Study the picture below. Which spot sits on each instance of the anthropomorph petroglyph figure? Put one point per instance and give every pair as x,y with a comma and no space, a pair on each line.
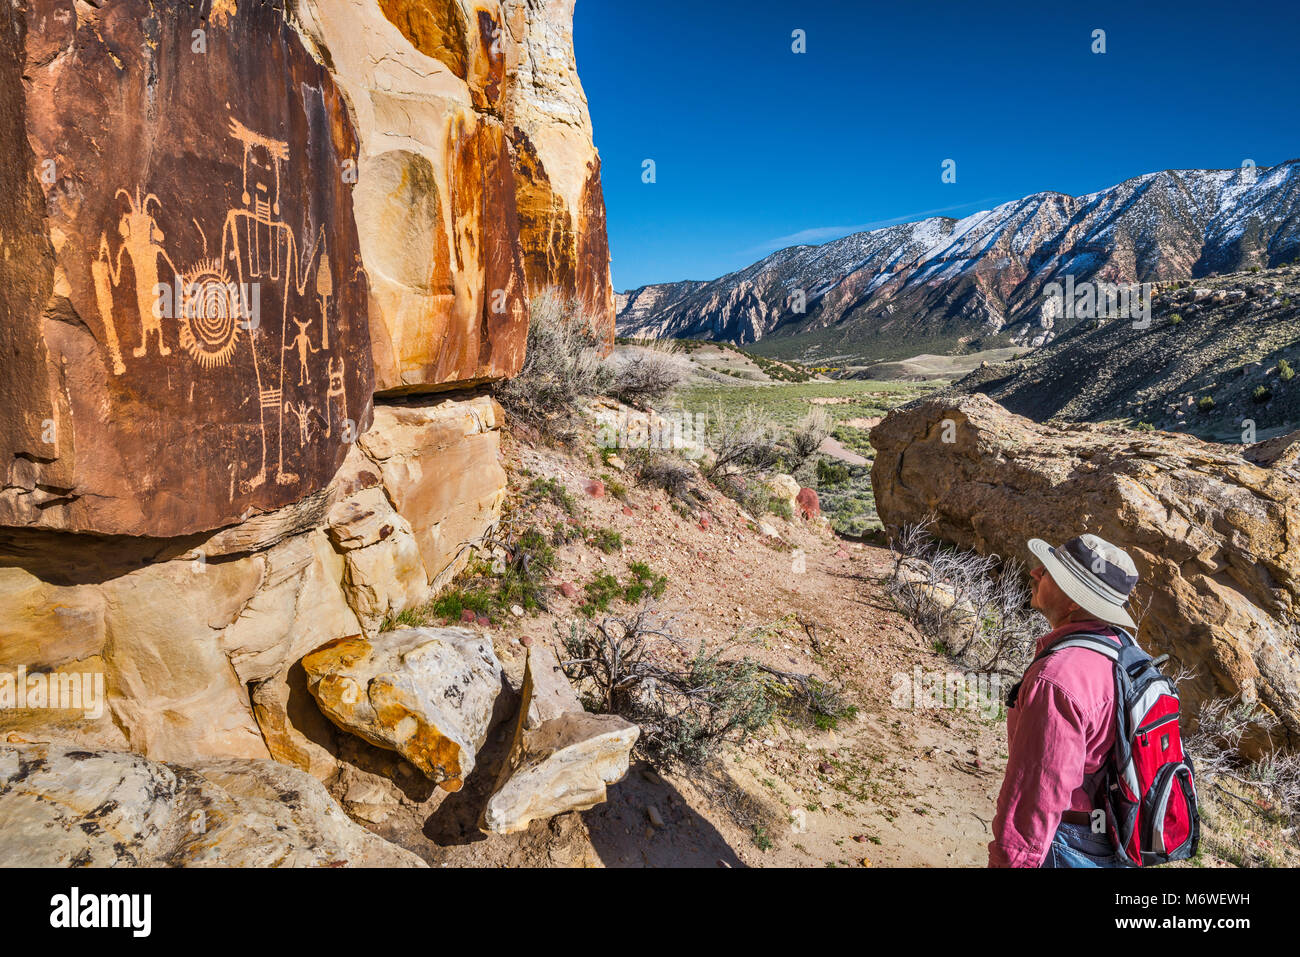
301,412
142,242
216,304
336,395
264,250
302,342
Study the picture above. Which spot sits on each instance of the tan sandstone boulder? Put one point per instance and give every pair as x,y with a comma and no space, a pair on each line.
1212,528
67,807
785,489
426,693
562,758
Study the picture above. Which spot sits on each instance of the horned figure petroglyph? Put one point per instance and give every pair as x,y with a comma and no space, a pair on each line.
302,342
142,242
258,247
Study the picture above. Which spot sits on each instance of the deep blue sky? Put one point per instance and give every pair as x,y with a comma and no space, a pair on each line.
756,145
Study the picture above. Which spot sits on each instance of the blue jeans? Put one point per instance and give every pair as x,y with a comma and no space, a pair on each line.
1074,845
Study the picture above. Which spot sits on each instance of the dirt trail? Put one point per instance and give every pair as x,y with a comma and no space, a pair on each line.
891,786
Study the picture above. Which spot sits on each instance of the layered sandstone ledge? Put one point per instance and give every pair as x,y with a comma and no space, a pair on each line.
199,640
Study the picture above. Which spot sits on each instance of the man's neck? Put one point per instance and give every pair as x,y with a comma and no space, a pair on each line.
1073,618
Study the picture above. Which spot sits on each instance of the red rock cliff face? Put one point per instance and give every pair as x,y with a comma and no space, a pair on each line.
226,227
188,311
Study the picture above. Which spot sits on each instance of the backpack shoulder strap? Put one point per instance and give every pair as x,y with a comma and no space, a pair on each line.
1097,643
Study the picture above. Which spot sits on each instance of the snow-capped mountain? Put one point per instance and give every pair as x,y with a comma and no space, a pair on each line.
979,281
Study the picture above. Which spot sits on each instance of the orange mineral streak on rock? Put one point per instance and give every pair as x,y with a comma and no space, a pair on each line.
423,745
437,28
340,653
435,193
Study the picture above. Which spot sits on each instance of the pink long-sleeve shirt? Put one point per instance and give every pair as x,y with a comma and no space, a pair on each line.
1061,729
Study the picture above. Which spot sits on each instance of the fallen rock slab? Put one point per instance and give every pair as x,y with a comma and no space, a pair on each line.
1212,528
426,693
66,807
562,758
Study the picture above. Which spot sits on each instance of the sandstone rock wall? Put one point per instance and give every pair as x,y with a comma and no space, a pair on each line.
209,164
226,226
197,641
1214,530
557,171
477,180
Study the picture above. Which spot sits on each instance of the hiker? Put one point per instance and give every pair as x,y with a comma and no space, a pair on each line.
1061,728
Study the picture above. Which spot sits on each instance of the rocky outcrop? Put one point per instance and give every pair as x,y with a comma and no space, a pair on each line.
225,227
69,807
184,634
476,182
1213,529
557,171
435,191
426,693
562,758
185,321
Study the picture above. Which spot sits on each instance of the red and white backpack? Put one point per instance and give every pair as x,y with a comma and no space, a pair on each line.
1146,787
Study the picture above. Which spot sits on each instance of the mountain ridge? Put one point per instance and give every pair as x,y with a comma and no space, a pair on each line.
945,283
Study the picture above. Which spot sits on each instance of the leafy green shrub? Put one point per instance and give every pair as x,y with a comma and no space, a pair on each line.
1206,403
607,540
601,590
644,582
831,473
1144,427
605,588
1176,318
1284,370
550,490
1261,394
780,507
450,604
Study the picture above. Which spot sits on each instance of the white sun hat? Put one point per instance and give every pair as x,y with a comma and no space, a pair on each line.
1097,576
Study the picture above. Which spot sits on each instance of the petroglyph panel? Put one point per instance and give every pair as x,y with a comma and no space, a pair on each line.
178,203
